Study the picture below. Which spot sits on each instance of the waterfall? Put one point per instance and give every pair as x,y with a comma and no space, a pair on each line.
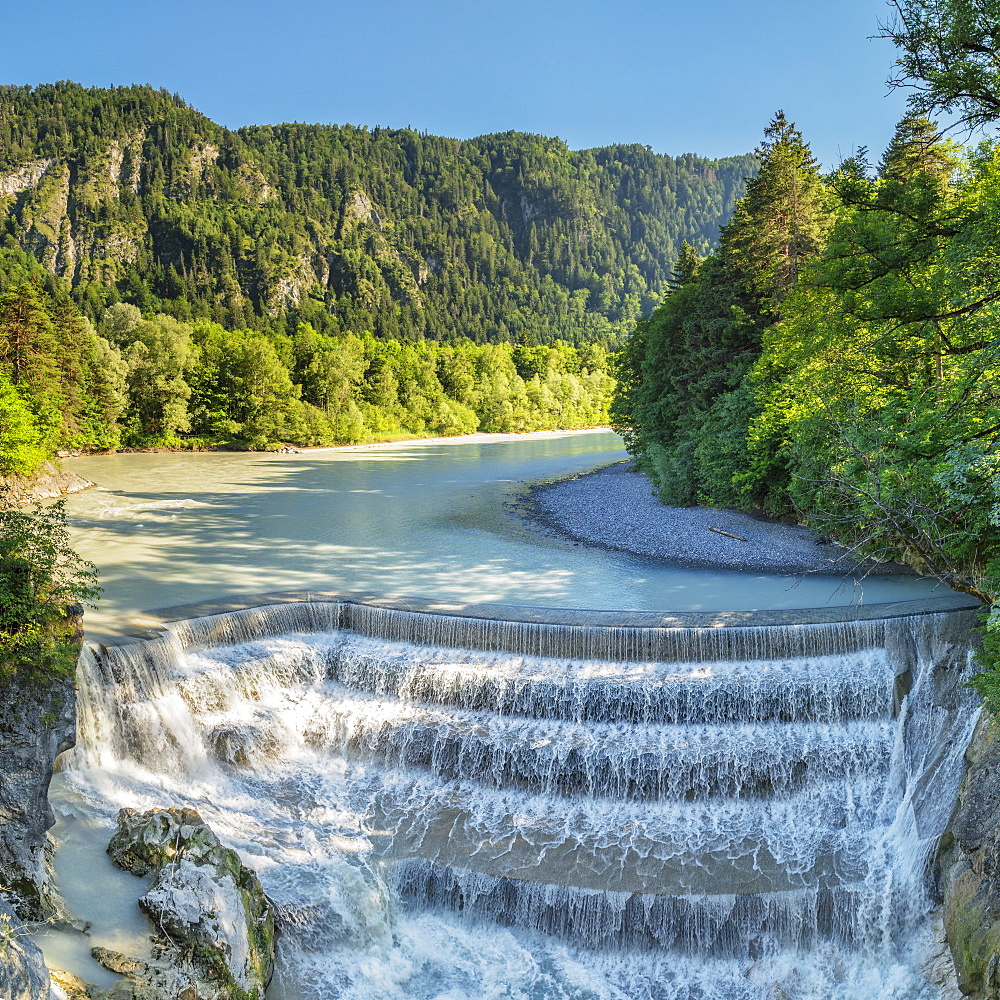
444,805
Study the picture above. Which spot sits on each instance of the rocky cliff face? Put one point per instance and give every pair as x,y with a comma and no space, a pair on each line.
969,868
388,230
37,724
23,975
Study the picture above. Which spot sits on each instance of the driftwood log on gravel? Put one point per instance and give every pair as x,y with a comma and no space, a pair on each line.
728,534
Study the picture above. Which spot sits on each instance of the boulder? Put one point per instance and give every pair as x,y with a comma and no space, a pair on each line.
242,745
67,986
23,975
216,923
156,978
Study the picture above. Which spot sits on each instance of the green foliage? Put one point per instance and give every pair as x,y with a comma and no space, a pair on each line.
41,580
134,197
987,682
683,403
854,382
21,451
61,385
240,386
778,224
163,382
880,385
949,56
157,361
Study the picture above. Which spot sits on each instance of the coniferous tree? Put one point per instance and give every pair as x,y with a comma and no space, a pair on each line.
779,222
348,229
686,266
684,403
917,147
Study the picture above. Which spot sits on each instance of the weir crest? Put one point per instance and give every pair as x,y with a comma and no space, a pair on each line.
438,800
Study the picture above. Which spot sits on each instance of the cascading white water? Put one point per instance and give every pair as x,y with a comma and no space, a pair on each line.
447,807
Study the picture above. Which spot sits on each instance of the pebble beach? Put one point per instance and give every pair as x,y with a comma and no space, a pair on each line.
615,508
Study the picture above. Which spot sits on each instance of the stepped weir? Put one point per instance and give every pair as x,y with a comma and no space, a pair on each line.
643,805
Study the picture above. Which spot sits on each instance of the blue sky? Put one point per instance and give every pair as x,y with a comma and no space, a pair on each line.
678,76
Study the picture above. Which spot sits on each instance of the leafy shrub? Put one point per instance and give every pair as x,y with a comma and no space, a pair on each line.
42,581
987,682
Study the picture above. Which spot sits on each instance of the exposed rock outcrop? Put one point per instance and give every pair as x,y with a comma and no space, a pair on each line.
37,724
48,484
217,925
23,975
969,868
25,177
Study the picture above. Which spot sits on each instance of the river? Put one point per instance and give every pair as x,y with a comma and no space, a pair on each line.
465,809
418,519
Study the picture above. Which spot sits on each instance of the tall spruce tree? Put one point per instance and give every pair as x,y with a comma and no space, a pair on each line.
917,147
779,222
684,403
685,267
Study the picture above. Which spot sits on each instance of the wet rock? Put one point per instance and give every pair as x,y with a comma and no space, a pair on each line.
937,965
49,483
38,723
217,925
23,975
66,986
155,978
969,868
241,745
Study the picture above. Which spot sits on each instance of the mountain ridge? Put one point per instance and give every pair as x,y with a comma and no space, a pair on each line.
132,195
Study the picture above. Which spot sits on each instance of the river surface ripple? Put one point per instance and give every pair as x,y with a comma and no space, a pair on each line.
417,518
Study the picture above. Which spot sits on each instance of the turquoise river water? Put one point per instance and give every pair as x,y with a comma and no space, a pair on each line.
415,519
465,809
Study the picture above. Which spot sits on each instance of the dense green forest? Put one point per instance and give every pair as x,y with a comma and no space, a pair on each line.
168,282
132,196
66,384
837,359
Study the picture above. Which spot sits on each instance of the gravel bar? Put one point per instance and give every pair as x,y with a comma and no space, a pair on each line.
615,508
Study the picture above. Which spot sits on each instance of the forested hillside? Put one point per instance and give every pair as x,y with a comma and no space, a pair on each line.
838,358
131,195
159,381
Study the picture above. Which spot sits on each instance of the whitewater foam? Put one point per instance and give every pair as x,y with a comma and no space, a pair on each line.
447,807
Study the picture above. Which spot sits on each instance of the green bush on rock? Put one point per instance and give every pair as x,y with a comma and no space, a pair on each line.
42,583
